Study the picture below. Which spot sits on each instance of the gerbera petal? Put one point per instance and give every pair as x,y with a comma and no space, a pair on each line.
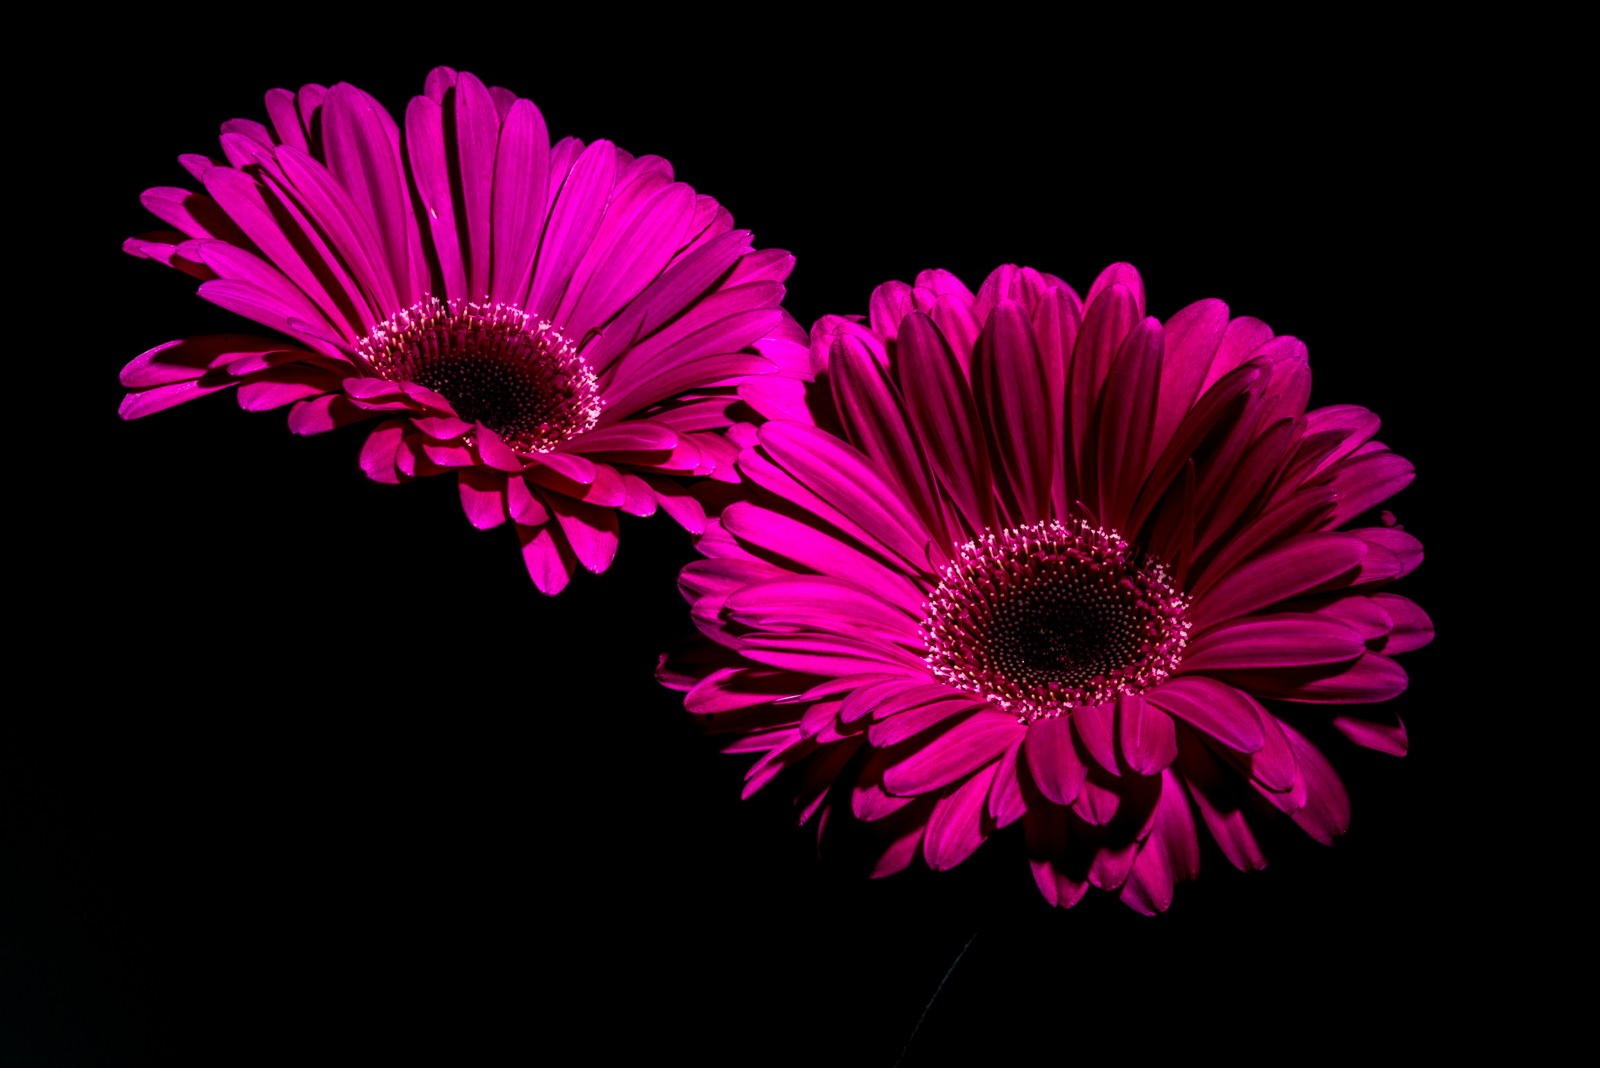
285,118
687,279
1367,481
521,171
911,722
1326,814
1298,566
1053,760
684,508
1283,639
430,167
1219,806
632,256
580,202
807,602
1383,737
888,693
730,689
1095,726
840,485
953,754
322,414
1241,339
483,497
195,215
159,398
274,389
796,541
1009,380
549,559
1007,802
871,407
362,144
1098,802
1391,553
590,530
1190,338
247,204
189,358
378,452
1410,627
1170,853
944,417
824,654
477,130
1145,734
1127,411
1111,314
647,387
1373,677
958,824
1216,708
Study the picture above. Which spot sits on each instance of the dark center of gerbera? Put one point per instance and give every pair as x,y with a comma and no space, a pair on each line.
1044,617
496,365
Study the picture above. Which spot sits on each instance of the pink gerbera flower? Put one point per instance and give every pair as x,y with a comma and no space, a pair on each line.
561,326
1072,567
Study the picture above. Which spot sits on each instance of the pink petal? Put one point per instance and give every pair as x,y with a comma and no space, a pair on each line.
521,171
1006,799
477,128
1214,707
956,753
549,559
378,452
581,195
1326,814
1053,760
430,167
1373,677
684,508
945,418
894,729
160,398
1191,338
816,551
1095,726
1298,566
362,146
1098,801
1284,639
1380,736
1367,481
483,497
591,531
1012,390
1410,626
957,825
1146,734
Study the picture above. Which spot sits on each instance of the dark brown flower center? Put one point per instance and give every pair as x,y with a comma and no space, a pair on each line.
1043,617
495,364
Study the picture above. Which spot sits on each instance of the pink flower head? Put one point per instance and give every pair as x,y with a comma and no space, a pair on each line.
561,326
1071,567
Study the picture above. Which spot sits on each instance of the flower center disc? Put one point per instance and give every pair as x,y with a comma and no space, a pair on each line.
1043,617
495,364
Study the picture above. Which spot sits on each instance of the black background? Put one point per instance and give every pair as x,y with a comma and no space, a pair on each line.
300,764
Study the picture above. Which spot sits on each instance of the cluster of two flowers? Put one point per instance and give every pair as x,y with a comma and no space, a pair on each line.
1017,555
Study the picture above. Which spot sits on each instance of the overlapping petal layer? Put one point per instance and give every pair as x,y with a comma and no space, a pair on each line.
1062,560
561,326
